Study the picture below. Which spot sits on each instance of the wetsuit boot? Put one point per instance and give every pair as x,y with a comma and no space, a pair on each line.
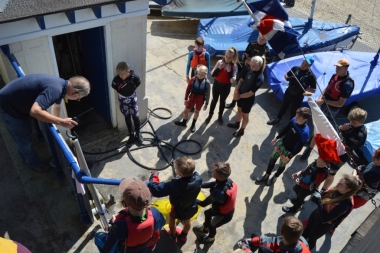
239,133
265,178
181,123
234,125
193,126
220,120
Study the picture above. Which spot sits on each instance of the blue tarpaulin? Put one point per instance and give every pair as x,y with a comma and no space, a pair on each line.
203,8
221,33
365,75
373,139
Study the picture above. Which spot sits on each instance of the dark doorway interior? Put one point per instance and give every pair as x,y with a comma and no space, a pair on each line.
83,53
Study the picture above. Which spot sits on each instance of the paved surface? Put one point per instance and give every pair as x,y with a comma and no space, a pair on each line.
42,213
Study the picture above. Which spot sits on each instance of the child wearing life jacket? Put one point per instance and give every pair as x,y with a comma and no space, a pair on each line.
197,93
371,176
289,241
307,181
289,143
224,73
182,191
199,56
126,83
335,205
223,192
135,227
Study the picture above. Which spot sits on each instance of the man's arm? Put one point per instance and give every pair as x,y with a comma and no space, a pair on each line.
56,110
42,115
338,103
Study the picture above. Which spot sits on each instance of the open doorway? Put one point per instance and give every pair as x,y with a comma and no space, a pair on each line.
83,53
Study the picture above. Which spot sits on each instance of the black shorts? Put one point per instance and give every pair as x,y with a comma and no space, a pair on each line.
246,104
334,167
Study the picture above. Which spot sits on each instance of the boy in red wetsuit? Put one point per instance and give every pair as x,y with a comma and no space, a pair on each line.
289,241
307,181
197,93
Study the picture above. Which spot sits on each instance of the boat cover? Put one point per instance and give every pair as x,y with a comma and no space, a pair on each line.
365,74
203,8
221,33
373,140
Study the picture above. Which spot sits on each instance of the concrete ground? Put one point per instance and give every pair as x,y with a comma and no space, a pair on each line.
41,212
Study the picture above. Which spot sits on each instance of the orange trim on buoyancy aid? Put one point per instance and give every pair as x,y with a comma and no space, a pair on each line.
334,87
305,248
231,200
198,59
139,233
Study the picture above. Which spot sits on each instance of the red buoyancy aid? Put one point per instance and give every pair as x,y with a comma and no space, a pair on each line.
329,207
305,248
231,200
223,77
198,59
335,86
139,233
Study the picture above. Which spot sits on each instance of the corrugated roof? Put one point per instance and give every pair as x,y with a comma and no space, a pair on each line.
22,9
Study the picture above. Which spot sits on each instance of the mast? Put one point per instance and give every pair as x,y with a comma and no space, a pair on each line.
312,10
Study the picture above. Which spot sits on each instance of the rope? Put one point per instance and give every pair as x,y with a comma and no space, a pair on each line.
154,141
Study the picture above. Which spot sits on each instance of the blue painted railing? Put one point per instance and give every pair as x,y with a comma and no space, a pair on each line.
54,136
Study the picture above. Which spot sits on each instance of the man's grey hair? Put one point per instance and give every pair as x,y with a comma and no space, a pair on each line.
81,85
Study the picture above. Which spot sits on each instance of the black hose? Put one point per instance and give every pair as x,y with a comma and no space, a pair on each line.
154,142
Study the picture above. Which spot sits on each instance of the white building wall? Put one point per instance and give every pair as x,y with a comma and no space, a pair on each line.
125,41
128,42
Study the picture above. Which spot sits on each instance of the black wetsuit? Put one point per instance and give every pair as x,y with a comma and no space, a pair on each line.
293,96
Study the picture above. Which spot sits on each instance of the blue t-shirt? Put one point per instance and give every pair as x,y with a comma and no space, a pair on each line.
18,96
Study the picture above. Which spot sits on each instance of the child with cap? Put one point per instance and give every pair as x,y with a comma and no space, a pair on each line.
289,143
301,79
126,83
136,216
289,241
223,192
307,181
197,93
182,191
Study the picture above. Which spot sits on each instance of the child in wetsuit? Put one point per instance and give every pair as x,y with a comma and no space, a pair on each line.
223,192
126,83
289,241
307,181
197,93
289,143
182,191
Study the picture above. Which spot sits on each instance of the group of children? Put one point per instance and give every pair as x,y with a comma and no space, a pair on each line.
136,228
333,204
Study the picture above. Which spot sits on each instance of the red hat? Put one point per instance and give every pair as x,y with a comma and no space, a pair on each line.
136,194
